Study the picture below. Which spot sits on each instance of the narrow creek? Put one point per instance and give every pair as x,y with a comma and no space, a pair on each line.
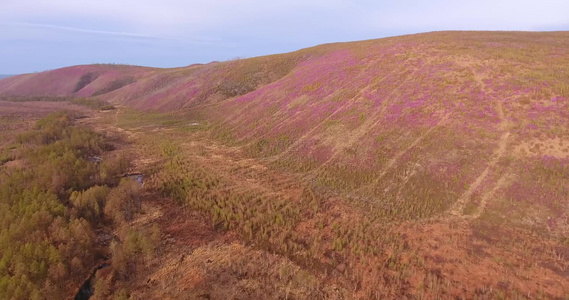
138,177
87,289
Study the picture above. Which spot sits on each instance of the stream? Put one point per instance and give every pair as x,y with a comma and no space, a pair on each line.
138,177
87,289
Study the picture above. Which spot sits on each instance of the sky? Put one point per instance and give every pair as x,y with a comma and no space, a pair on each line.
39,35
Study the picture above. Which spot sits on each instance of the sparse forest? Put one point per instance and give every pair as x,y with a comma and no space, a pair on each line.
54,198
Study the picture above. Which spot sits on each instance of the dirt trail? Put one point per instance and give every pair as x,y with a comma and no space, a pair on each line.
309,133
239,174
399,154
458,207
499,184
354,137
361,131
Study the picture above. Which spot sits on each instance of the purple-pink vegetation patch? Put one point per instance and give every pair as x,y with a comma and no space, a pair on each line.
542,181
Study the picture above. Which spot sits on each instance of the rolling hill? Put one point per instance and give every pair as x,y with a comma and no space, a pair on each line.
80,81
448,108
431,133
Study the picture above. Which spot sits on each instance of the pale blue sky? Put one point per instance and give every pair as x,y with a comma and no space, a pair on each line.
37,35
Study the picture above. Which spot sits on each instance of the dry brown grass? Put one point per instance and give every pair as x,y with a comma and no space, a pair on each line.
439,258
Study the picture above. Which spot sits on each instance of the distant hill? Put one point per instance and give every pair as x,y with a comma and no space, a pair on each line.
5,76
81,81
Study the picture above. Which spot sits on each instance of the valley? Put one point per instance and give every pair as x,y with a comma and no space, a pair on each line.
422,166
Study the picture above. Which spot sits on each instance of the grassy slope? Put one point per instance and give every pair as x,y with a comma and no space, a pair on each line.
437,119
464,129
428,118
81,81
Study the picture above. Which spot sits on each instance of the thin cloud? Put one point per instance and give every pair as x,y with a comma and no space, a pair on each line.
88,31
190,39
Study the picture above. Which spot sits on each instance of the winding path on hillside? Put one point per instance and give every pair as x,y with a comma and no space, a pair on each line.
459,205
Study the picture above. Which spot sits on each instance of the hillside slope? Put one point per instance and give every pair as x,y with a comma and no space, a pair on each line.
444,110
79,81
439,122
458,136
437,119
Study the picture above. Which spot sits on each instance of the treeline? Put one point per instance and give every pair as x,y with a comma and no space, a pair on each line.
34,98
52,205
91,103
